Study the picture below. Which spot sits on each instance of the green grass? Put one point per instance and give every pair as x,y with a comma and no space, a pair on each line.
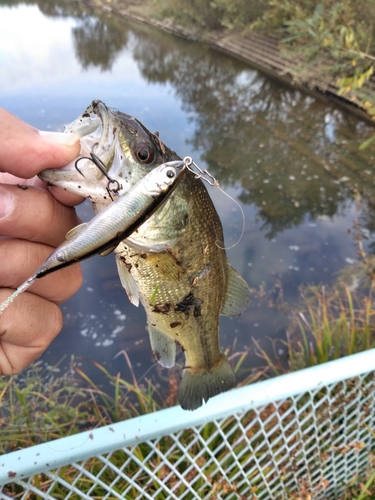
332,323
42,404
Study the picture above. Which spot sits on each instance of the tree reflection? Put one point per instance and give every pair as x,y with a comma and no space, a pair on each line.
97,42
98,39
293,156
56,8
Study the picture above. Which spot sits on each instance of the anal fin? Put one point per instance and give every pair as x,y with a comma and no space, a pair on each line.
163,347
237,295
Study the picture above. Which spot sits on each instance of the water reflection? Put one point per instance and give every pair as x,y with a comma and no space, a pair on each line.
97,43
291,159
271,138
59,8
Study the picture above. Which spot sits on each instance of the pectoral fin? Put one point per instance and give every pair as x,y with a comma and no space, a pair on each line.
237,295
127,281
75,230
107,251
163,347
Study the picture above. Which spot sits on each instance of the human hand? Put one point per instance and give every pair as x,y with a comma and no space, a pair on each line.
32,223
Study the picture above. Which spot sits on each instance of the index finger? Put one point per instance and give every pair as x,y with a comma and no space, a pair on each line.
26,151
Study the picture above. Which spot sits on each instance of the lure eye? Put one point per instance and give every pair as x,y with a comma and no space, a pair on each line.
144,153
170,173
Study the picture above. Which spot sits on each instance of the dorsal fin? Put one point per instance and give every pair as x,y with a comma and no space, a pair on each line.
237,295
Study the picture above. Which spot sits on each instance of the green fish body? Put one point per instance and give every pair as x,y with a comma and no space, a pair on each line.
174,263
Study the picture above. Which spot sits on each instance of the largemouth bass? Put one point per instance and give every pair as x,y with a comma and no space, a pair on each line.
115,222
172,263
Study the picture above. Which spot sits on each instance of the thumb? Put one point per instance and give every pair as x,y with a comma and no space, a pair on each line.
26,151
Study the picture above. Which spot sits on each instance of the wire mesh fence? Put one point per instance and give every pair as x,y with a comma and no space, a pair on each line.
307,434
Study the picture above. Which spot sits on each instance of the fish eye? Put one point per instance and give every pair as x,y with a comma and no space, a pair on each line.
170,173
145,153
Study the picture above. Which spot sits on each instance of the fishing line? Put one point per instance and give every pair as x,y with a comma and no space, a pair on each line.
146,372
210,179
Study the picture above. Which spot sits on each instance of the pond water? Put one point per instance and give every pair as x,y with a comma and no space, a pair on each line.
291,159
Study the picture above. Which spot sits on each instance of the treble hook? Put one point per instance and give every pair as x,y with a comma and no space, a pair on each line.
76,164
100,165
98,162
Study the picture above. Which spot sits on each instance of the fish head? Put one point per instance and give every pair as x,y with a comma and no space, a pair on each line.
126,149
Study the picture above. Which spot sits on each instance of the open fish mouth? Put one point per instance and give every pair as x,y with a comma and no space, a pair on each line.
117,151
98,134
86,180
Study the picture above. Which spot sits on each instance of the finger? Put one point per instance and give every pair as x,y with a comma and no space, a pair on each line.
26,152
20,259
6,178
34,214
60,194
26,335
65,197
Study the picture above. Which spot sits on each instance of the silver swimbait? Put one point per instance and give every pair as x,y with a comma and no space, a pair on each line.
113,224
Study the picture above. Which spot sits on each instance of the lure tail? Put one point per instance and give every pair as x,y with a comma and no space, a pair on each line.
15,294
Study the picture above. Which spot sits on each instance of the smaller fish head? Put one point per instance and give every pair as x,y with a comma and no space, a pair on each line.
164,177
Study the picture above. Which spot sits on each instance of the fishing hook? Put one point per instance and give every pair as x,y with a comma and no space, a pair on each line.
100,165
98,162
76,164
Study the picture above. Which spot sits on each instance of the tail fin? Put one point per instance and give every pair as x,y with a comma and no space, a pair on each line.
197,386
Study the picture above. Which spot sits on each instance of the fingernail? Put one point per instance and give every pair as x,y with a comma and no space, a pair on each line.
67,139
6,204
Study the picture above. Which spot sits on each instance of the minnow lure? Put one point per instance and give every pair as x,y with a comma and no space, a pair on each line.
113,224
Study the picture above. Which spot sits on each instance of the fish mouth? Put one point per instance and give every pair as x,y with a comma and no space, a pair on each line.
93,127
98,134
